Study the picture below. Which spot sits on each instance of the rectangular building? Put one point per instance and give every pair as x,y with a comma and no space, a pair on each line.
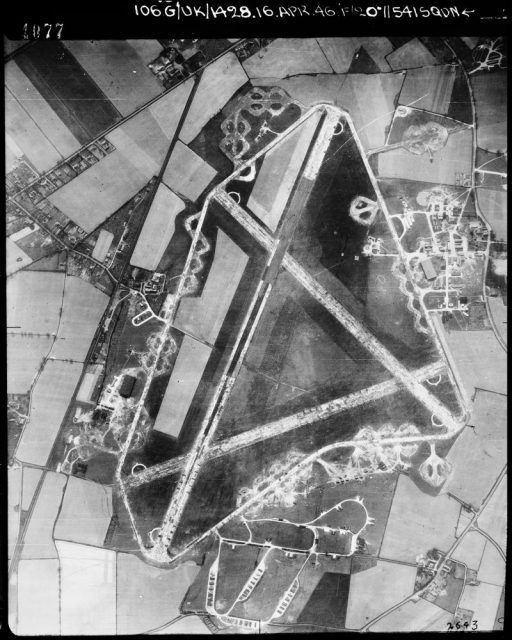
157,230
102,246
428,269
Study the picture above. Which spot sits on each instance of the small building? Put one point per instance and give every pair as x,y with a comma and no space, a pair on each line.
103,244
126,389
428,269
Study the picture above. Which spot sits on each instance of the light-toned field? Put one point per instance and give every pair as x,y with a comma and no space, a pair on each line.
167,110
418,522
493,204
103,244
119,71
218,83
470,550
370,101
455,157
490,93
412,54
38,541
132,140
340,51
85,513
34,299
14,485
38,598
187,173
481,446
157,230
28,137
481,360
429,88
97,193
203,317
31,477
279,172
16,258
377,589
39,110
494,519
492,568
308,90
415,616
147,597
50,399
483,600
147,50
287,57
82,310
499,313
186,375
87,589
25,354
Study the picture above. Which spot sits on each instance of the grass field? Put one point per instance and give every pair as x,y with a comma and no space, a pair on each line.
440,77
14,507
483,600
418,522
38,542
25,355
85,513
88,589
493,519
481,445
327,605
219,81
203,317
282,534
118,70
16,258
409,55
157,230
32,142
68,89
148,596
374,591
364,96
31,477
493,204
50,400
470,550
94,195
279,574
287,57
186,375
415,616
452,159
186,173
340,51
492,569
279,172
33,302
38,598
480,359
82,310
235,568
490,93
39,110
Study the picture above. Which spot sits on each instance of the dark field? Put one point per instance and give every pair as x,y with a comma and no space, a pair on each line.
157,448
300,356
149,503
460,103
68,89
334,542
328,603
281,534
235,568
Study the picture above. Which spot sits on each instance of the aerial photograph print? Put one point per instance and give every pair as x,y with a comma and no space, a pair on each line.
256,325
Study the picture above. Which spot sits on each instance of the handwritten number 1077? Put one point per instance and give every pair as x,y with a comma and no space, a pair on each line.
36,31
